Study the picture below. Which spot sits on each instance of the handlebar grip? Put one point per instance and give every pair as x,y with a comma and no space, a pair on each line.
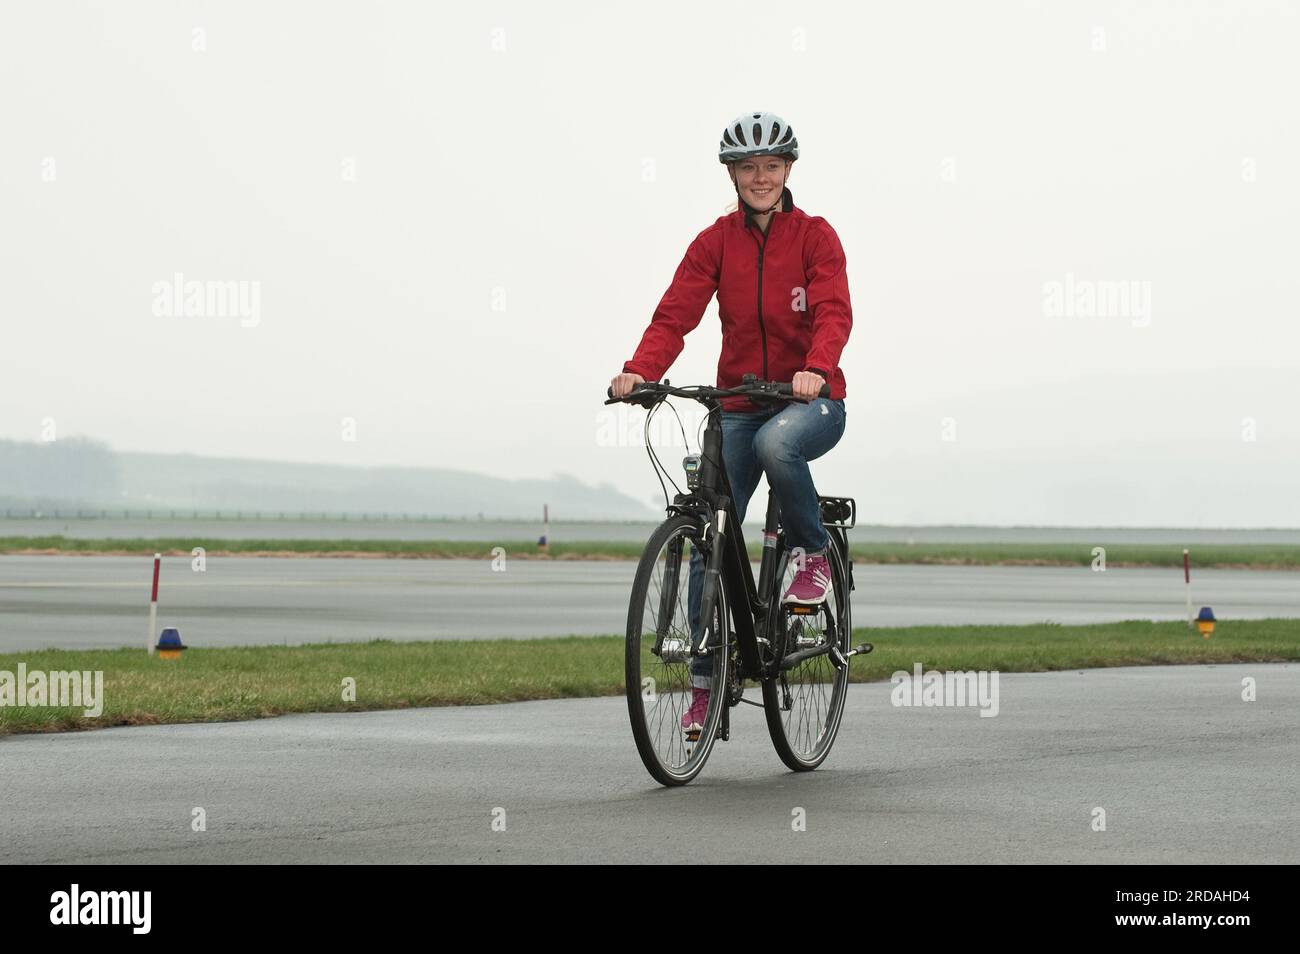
642,400
789,389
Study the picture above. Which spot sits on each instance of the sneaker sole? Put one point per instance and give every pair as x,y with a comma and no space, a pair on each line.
798,602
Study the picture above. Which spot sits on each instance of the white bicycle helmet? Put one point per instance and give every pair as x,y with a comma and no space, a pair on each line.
757,134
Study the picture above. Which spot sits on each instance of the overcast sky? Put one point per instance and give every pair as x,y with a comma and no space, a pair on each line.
455,222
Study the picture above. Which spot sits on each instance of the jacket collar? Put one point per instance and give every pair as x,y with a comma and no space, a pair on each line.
787,205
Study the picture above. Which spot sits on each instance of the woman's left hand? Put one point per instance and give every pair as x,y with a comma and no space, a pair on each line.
807,385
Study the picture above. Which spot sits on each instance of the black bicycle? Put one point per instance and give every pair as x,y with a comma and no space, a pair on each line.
697,619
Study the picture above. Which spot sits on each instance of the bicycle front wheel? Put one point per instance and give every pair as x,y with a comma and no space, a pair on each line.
664,684
805,700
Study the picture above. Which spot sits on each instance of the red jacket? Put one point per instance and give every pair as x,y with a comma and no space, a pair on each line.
783,301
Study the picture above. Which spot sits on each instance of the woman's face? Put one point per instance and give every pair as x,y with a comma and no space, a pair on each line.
760,180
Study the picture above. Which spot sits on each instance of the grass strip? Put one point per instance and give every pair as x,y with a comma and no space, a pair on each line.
237,683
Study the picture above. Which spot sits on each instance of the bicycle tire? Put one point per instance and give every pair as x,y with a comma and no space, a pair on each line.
657,687
794,714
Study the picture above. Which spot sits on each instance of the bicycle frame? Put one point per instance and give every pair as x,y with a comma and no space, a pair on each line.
729,563
709,499
754,635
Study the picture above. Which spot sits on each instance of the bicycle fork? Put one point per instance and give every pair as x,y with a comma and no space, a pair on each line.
667,604
712,580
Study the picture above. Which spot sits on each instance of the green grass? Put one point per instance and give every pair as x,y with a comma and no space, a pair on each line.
1254,556
211,685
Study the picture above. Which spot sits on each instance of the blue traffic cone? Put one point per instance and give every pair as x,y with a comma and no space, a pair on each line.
169,643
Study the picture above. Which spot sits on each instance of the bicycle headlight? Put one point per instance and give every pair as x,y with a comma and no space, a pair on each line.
691,464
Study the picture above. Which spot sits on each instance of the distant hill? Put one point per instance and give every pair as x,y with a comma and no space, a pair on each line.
79,472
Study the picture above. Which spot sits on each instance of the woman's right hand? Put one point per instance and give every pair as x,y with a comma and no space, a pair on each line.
623,384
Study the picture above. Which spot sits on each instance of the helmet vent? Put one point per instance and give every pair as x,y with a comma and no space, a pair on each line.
751,135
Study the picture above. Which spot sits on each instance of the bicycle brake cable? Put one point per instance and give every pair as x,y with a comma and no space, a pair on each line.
681,427
655,462
666,471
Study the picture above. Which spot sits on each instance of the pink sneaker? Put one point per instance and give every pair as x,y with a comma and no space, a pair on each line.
693,719
811,583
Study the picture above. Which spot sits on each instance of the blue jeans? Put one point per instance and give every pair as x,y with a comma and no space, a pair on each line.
778,441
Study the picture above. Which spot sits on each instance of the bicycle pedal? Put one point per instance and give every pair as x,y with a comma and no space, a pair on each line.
802,609
693,736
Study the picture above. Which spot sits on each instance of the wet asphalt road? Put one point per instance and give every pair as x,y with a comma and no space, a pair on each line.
1184,769
87,602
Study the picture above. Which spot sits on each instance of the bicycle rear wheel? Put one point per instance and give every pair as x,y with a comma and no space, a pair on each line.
658,666
805,702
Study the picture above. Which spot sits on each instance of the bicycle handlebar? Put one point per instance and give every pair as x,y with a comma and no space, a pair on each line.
753,387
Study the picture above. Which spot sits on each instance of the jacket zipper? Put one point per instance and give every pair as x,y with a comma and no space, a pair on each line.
762,328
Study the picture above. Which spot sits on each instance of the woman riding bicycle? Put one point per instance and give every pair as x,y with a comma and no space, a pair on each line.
783,300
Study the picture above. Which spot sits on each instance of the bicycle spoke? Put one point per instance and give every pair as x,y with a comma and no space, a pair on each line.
815,686
664,691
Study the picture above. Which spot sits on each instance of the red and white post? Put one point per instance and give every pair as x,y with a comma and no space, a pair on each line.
153,604
1187,583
